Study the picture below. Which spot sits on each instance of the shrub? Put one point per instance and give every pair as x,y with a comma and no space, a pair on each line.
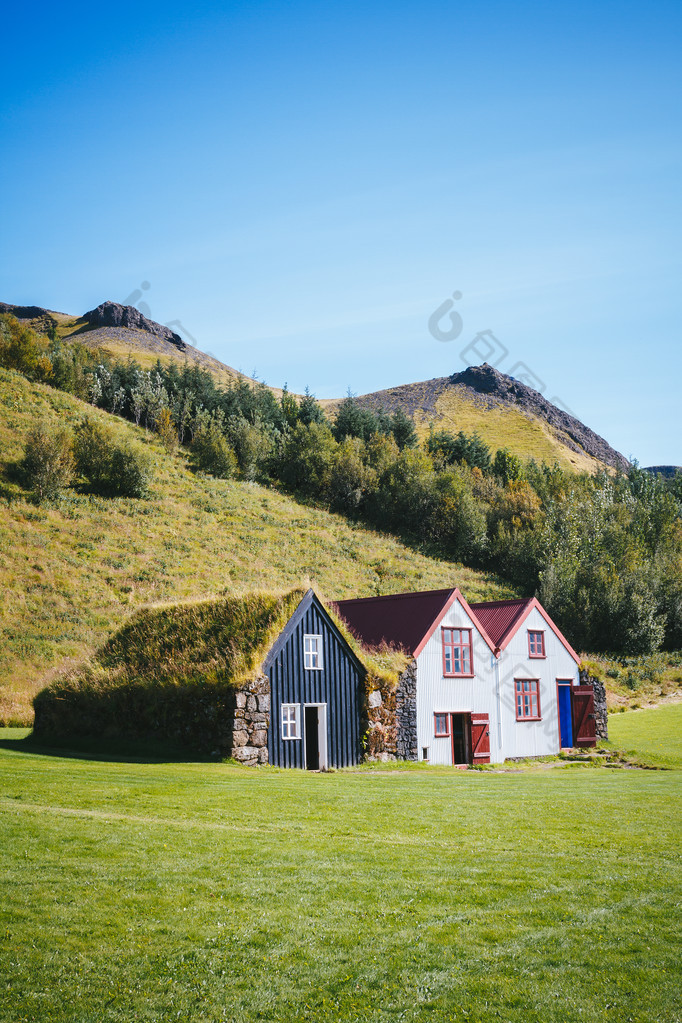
111,469
48,460
23,350
130,472
92,448
211,453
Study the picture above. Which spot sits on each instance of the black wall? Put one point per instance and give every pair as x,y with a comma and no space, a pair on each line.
338,684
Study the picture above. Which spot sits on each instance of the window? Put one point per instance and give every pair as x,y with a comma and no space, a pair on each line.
312,653
291,721
527,699
457,657
441,724
536,643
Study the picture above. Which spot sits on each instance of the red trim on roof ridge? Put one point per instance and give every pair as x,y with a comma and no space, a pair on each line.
390,596
501,603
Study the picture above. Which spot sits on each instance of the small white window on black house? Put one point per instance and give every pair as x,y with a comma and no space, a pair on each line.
312,653
291,721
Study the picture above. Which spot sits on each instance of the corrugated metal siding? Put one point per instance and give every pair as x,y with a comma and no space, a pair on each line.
534,738
338,685
438,694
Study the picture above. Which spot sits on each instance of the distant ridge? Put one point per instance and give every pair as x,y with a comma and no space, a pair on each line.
502,410
664,470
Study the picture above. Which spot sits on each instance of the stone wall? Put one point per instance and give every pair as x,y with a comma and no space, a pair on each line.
381,723
251,722
406,713
392,717
600,712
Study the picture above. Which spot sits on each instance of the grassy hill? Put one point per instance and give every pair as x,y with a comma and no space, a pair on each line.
72,572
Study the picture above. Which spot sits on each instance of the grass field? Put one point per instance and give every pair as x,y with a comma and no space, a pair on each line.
71,573
654,734
205,892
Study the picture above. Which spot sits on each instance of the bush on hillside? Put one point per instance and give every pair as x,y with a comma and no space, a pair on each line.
111,469
48,462
211,453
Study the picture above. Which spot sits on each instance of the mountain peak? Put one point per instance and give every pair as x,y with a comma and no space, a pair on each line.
113,314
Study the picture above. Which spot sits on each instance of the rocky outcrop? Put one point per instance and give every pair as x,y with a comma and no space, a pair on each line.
487,380
113,314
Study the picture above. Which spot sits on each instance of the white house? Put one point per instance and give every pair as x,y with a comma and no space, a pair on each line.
493,680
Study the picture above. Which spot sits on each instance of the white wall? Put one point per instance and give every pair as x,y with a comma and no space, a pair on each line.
533,738
437,694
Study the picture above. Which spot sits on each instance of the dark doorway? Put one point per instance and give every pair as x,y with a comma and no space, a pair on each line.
312,741
461,738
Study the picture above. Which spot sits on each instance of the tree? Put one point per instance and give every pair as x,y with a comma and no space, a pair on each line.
48,460
309,411
167,430
353,421
403,430
289,407
472,450
507,467
350,476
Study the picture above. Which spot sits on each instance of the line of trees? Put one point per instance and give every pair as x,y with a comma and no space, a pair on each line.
603,552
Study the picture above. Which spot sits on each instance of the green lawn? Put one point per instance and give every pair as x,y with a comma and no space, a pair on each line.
205,892
653,735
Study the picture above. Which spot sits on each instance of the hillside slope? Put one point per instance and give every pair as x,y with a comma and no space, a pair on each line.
72,572
504,411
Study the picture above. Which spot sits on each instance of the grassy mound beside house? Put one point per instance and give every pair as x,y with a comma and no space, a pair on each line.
169,674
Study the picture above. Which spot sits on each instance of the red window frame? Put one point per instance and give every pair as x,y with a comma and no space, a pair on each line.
436,733
527,699
453,645
533,643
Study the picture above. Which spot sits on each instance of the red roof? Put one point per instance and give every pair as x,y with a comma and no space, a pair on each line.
399,620
402,620
408,620
499,616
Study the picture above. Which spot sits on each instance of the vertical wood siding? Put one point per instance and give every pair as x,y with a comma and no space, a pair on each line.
338,685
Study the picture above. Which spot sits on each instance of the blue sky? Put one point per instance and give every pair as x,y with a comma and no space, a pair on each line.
302,185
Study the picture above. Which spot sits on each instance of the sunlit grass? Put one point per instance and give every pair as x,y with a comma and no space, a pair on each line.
653,735
206,892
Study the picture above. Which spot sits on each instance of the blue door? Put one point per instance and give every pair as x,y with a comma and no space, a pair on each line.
565,715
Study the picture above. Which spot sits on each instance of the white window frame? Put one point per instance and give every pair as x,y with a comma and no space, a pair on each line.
290,720
308,655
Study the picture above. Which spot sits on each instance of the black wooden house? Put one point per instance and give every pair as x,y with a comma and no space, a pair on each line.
316,693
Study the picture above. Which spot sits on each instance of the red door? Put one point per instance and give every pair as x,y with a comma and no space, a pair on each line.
584,723
480,739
